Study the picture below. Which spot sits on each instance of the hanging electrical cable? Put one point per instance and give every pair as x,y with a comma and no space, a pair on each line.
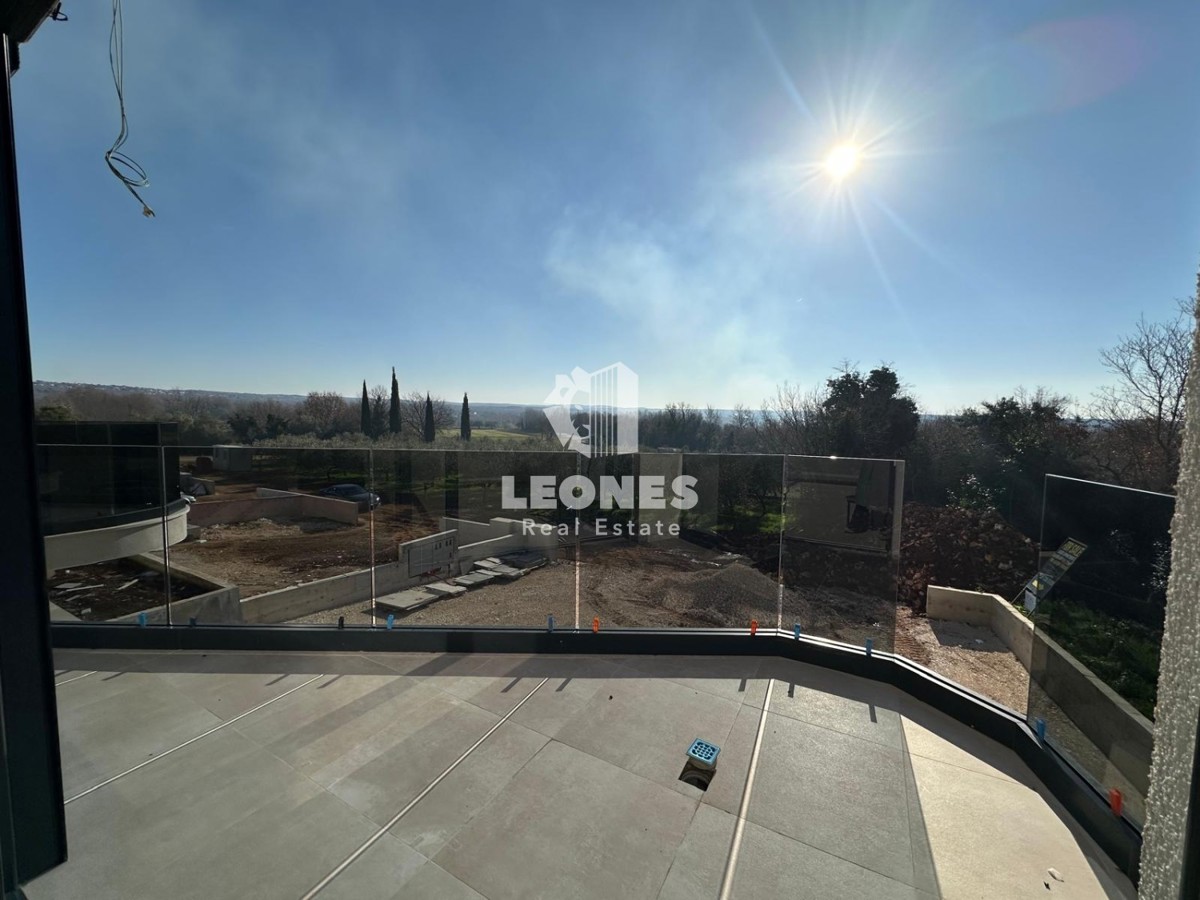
128,171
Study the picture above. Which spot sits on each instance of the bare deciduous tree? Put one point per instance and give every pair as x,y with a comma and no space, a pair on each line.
412,414
327,413
794,421
1142,414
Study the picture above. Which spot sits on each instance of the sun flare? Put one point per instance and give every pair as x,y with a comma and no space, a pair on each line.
842,161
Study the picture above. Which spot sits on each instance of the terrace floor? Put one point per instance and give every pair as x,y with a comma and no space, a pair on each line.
417,775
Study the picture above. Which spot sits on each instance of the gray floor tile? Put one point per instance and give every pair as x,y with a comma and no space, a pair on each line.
569,825
383,871
855,706
768,865
646,726
391,870
319,707
834,792
280,850
432,882
733,762
317,731
731,677
119,729
458,798
381,785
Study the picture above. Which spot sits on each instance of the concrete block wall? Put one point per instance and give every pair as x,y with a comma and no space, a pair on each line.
315,596
268,503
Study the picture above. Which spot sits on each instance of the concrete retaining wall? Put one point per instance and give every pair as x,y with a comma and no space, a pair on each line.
986,610
268,504
1123,734
219,605
472,553
471,532
355,587
315,596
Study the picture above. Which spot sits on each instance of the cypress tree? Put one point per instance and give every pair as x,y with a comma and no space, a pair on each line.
366,411
429,431
464,425
394,409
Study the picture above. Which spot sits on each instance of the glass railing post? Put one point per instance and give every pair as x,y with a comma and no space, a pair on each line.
162,470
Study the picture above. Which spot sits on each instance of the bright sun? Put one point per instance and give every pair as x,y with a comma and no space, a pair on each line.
842,161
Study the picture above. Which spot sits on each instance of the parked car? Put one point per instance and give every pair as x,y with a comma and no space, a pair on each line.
355,493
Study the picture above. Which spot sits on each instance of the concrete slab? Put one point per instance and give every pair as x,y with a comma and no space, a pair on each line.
407,601
444,589
506,573
474,579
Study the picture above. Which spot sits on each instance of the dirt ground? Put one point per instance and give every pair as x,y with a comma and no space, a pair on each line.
971,655
106,591
673,585
269,554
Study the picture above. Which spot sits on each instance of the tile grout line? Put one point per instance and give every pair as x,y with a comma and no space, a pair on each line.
186,743
76,678
373,839
739,829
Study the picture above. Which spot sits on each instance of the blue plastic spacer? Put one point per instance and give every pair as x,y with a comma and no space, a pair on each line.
870,645
1039,726
549,623
796,630
391,620
141,620
192,622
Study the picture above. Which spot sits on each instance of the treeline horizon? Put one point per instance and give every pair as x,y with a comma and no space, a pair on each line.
993,453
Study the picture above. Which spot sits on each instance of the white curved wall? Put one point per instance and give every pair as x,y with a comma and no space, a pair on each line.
82,548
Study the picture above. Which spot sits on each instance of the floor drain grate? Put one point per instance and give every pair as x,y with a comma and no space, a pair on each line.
700,765
703,754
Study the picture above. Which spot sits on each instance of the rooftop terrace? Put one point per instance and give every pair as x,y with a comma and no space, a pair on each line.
191,774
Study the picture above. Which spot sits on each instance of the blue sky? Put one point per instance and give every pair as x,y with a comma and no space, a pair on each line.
486,194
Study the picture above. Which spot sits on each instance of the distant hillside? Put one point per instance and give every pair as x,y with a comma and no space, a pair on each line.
48,389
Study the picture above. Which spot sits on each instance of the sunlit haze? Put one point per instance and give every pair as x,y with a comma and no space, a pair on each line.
842,161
